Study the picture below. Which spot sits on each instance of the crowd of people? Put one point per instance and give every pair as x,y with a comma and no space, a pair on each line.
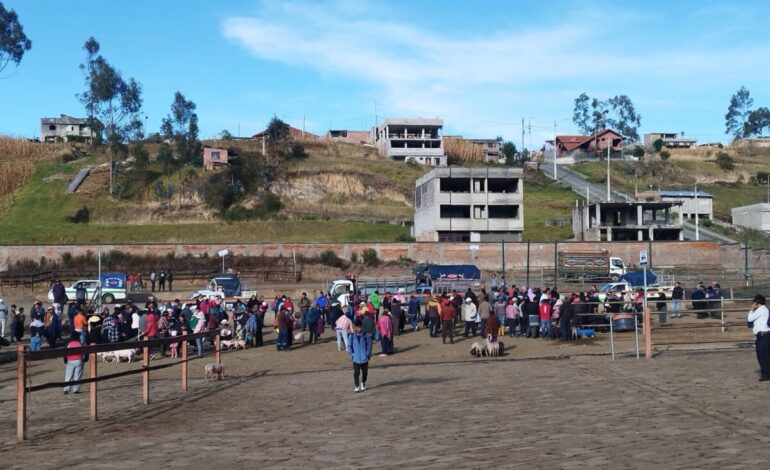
356,321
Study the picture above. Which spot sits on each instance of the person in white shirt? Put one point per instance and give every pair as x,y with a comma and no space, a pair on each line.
758,318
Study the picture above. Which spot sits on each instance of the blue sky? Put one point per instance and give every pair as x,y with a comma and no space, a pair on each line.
481,65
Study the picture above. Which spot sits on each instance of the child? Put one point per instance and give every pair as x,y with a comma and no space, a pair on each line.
174,347
360,350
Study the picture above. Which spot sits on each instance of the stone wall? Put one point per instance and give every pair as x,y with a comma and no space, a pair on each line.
485,255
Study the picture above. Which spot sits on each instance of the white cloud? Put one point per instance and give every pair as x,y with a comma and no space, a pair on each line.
487,77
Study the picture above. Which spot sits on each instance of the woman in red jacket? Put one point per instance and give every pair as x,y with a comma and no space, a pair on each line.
545,319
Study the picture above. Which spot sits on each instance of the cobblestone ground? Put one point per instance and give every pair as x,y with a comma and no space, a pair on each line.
427,406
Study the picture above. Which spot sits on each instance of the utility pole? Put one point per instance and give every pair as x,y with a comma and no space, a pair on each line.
529,129
609,197
555,177
522,133
303,127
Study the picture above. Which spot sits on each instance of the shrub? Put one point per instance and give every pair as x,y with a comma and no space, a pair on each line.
82,216
354,257
763,177
638,152
330,258
657,145
297,152
370,257
665,155
725,161
404,238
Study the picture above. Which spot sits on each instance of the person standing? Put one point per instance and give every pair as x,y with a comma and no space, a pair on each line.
385,328
545,319
414,312
162,281
170,280
3,318
52,327
676,301
59,293
447,316
492,329
360,350
343,328
566,313
80,325
80,295
485,311
282,323
432,313
470,315
760,323
73,365
18,324
153,278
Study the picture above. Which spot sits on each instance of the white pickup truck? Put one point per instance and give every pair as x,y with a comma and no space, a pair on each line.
652,291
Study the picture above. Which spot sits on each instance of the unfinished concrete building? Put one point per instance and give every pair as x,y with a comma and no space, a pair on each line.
459,204
628,221
416,140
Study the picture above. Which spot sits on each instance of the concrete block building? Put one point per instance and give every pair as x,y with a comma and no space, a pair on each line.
459,204
65,129
755,216
416,140
703,205
670,140
628,221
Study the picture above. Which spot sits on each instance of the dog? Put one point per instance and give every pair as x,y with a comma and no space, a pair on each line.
128,354
213,370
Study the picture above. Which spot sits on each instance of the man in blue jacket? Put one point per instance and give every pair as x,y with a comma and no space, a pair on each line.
360,349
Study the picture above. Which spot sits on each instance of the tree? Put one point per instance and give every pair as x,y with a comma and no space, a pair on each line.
182,126
165,157
278,131
738,112
13,42
625,120
657,145
113,103
757,121
508,149
581,115
592,115
225,135
638,152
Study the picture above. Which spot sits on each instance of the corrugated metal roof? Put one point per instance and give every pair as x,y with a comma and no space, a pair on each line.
686,194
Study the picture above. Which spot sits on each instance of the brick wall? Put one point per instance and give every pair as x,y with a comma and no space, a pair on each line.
487,256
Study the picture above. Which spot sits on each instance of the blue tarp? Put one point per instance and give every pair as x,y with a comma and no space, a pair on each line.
636,279
453,271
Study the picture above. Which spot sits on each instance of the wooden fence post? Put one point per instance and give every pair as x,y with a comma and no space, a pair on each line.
92,385
218,349
184,365
21,393
647,334
146,375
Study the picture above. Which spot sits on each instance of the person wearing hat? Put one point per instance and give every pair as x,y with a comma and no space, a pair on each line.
3,317
52,327
470,315
759,319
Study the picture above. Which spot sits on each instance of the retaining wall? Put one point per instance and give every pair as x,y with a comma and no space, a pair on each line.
485,255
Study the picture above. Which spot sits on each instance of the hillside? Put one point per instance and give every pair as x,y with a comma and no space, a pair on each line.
340,192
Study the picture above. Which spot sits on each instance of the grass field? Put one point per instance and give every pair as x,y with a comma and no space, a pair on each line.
543,199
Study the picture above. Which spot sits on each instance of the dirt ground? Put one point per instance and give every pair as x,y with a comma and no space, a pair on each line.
545,404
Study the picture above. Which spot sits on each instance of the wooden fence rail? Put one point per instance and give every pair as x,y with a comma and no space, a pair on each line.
25,356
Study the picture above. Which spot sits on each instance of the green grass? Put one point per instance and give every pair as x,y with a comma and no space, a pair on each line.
40,216
544,199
